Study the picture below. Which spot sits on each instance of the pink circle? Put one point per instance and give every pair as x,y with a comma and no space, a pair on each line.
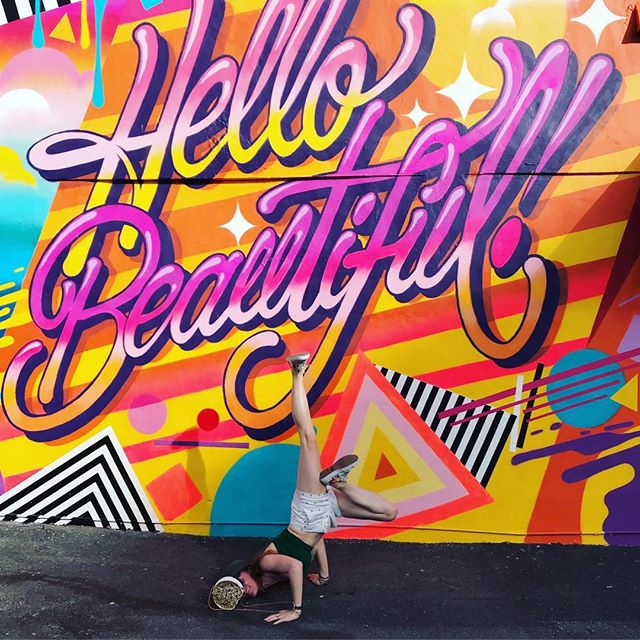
208,419
505,242
147,414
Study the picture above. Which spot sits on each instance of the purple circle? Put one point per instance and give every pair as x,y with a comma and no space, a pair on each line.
147,414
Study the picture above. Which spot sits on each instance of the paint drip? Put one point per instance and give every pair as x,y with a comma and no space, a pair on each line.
98,87
37,39
85,38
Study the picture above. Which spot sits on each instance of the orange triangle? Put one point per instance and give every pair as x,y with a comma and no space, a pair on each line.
385,468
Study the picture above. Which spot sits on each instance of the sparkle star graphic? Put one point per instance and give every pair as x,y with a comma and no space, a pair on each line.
597,18
465,90
417,114
238,225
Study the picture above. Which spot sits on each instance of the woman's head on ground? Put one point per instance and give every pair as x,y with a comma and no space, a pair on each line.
249,575
250,583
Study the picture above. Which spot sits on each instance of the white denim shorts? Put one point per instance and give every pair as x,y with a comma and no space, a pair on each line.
314,512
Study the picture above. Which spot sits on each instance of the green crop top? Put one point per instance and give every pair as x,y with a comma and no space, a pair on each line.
289,545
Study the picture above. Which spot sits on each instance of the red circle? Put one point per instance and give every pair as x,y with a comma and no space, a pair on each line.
208,419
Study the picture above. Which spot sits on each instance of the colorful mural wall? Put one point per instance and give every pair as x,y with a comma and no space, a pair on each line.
436,199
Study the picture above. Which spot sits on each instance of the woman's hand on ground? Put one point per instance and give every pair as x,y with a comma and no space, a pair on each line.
316,579
286,615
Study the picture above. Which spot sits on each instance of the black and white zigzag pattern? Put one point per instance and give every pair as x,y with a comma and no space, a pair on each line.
11,10
477,443
92,484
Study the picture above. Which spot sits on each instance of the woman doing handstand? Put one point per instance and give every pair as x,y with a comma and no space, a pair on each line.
320,497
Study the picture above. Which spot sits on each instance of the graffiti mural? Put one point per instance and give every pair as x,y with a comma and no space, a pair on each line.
437,200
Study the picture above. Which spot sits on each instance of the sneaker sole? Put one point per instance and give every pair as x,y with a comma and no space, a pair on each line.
342,465
296,358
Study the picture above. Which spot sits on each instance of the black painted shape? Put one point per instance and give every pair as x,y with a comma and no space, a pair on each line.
525,420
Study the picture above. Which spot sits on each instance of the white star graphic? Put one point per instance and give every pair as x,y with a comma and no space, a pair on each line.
238,225
417,114
465,90
597,18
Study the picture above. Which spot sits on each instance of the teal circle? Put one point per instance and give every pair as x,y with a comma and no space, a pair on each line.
254,498
595,412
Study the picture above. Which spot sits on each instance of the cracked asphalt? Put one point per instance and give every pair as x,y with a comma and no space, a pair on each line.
81,582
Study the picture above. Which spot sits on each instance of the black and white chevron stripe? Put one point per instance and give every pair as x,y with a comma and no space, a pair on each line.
11,10
477,443
92,484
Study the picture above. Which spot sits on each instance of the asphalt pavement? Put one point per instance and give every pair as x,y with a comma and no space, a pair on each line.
81,582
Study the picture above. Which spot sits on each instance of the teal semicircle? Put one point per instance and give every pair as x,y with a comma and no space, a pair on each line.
254,498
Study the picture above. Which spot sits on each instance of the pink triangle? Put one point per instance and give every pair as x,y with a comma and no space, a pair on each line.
459,491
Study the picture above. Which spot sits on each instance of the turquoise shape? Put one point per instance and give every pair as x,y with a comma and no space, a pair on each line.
23,210
594,412
254,498
147,4
37,38
97,97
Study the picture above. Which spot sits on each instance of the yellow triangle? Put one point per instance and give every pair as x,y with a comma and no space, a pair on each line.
63,30
380,445
627,396
414,478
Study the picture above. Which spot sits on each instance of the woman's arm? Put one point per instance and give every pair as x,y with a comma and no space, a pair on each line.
277,563
297,582
320,552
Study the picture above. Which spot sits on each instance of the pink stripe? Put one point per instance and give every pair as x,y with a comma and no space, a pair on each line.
202,443
571,396
148,449
544,393
488,370
571,406
533,385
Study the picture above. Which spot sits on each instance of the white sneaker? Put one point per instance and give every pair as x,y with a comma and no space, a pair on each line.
298,361
339,470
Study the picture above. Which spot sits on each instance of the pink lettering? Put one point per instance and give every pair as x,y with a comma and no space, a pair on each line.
420,225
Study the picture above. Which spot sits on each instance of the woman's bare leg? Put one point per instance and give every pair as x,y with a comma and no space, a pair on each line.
355,502
309,456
